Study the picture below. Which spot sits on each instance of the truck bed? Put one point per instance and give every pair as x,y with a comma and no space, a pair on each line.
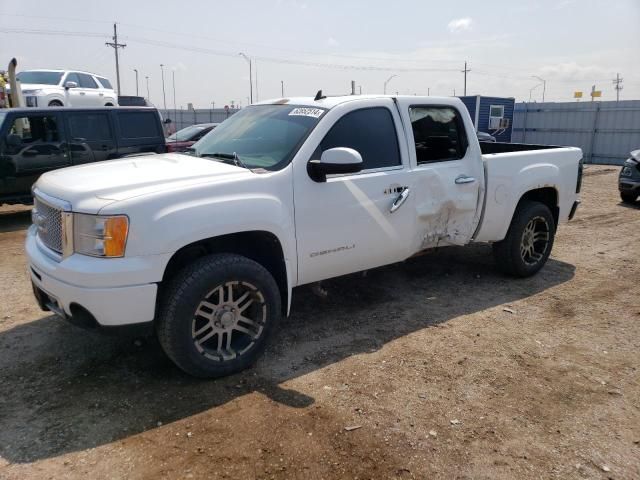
513,169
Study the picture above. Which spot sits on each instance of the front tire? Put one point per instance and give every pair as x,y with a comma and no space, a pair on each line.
217,315
628,197
529,240
55,103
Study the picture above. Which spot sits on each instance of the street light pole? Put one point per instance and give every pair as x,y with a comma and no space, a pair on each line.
544,85
135,70
387,81
148,96
248,59
282,88
532,89
164,94
175,110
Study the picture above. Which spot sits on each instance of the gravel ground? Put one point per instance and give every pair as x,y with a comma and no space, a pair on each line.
439,367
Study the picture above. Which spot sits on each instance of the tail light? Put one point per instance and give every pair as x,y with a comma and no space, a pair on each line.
579,182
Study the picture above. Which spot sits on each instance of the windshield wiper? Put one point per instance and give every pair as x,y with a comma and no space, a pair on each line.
227,156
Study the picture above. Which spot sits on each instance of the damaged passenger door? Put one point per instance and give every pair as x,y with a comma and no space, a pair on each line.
447,173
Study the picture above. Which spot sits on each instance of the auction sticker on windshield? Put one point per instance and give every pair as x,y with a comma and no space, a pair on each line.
307,112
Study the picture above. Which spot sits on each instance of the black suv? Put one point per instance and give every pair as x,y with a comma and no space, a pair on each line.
629,180
34,141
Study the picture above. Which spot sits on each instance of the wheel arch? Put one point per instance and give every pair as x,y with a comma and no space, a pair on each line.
261,246
548,196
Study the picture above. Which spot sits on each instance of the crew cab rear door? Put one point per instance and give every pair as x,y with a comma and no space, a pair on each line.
447,175
346,224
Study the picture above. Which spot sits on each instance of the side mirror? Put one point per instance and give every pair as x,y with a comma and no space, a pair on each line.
14,140
335,161
167,121
69,85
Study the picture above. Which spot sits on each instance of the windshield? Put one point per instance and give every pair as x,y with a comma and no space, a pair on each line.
185,134
43,78
262,136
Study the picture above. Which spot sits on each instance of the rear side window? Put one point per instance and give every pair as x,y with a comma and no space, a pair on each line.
370,131
139,125
90,126
105,83
438,133
87,81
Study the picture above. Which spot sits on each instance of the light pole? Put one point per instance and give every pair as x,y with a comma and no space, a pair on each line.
175,110
148,96
282,88
532,89
387,81
544,85
135,70
164,95
248,59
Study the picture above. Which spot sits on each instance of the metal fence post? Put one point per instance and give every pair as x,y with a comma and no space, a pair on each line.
594,131
524,123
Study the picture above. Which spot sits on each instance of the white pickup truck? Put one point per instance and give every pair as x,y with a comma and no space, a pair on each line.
207,247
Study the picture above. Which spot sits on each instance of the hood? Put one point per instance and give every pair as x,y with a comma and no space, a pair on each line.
33,86
91,187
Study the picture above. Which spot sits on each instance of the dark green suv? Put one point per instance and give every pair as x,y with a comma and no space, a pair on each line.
37,140
629,180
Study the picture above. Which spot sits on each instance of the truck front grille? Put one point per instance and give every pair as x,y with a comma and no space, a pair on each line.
48,220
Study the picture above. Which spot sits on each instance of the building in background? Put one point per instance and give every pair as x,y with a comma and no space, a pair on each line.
493,115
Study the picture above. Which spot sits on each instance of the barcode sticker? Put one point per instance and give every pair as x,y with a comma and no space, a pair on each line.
307,112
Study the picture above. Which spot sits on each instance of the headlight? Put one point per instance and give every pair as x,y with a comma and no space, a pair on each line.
626,171
32,92
99,235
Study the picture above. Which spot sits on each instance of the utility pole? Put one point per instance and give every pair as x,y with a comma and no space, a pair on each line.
282,88
618,86
148,96
135,70
248,59
164,95
465,71
115,45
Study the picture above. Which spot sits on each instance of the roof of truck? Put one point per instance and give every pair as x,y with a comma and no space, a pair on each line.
333,101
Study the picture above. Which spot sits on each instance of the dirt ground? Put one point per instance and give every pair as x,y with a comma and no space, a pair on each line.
448,368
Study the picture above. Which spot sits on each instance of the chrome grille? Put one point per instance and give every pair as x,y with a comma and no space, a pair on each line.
48,219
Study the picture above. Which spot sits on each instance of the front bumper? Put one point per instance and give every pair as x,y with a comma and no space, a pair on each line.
111,292
629,185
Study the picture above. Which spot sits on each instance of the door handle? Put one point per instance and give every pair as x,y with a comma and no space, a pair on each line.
462,179
101,94
404,194
82,93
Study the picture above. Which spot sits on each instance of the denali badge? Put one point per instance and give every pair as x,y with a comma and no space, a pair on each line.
333,250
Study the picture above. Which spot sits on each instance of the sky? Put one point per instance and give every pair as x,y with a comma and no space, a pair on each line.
307,45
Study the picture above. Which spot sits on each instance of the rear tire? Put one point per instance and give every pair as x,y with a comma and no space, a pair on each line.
55,103
529,240
628,197
217,314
